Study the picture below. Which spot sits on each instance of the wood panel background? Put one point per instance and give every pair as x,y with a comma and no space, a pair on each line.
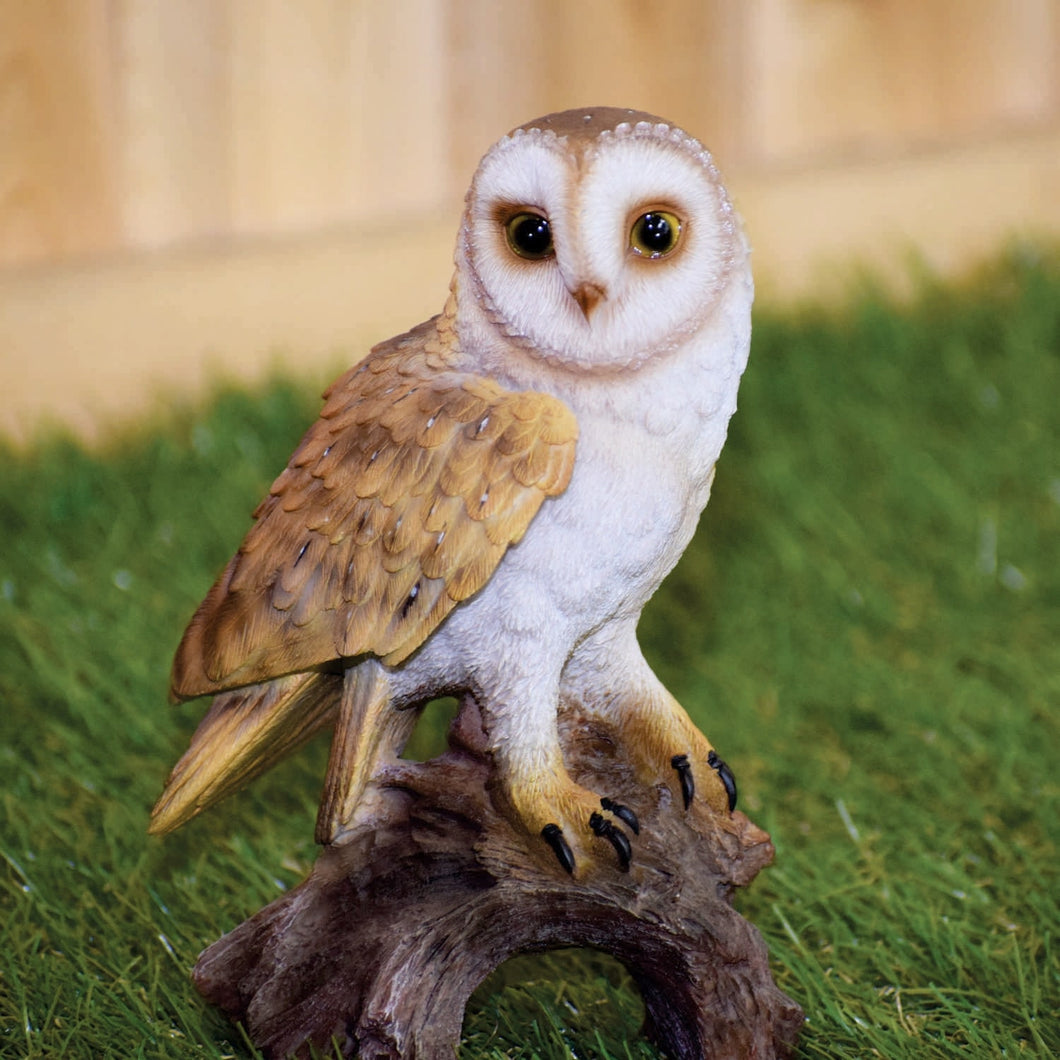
193,183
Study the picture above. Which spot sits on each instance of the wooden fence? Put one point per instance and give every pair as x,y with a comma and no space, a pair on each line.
183,180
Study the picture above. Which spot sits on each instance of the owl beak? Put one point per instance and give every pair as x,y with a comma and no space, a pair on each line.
588,296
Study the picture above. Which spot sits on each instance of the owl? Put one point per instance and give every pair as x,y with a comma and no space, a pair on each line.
487,502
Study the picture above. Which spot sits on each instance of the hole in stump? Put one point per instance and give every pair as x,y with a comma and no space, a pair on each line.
428,737
570,1002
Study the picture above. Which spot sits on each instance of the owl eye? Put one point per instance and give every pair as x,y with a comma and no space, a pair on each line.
530,235
654,234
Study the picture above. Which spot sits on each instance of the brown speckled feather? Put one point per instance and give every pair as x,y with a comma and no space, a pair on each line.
399,503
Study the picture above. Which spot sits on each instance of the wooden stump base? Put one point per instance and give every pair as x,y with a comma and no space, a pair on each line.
432,888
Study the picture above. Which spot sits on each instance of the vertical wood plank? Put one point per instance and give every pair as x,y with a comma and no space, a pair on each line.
1001,73
172,115
843,77
401,124
57,143
289,79
499,57
338,112
678,58
682,59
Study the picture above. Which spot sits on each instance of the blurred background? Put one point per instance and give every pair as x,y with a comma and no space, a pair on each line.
195,188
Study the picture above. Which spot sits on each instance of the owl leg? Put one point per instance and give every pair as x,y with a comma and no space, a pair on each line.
367,728
579,827
656,733
611,677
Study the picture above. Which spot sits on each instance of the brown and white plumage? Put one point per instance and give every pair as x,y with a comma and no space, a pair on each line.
486,503
398,504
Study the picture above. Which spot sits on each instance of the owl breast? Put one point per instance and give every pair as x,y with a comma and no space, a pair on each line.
648,444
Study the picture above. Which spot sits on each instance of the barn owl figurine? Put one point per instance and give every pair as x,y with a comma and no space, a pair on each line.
487,502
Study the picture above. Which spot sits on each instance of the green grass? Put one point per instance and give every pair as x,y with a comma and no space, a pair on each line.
867,625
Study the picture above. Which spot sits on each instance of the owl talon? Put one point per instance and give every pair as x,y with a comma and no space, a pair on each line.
684,773
603,828
624,813
553,835
725,776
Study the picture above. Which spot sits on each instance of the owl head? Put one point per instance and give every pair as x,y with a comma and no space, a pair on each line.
598,238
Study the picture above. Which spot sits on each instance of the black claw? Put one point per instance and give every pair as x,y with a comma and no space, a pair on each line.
725,774
602,827
684,772
553,835
622,812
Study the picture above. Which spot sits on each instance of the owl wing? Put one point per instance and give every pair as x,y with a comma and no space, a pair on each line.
398,504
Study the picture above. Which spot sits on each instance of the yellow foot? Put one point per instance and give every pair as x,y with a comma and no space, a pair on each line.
582,830
687,780
671,739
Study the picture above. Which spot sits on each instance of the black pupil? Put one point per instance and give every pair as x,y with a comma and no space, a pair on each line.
656,233
532,235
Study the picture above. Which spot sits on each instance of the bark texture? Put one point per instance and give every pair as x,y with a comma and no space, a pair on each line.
431,889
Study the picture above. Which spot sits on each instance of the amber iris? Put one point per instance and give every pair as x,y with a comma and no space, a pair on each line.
530,235
654,234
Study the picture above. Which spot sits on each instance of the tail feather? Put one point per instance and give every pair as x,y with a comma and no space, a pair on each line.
244,733
366,732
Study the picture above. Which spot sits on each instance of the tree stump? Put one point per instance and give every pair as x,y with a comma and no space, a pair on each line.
431,889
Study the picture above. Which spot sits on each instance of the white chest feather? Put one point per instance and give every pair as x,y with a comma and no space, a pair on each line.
648,443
